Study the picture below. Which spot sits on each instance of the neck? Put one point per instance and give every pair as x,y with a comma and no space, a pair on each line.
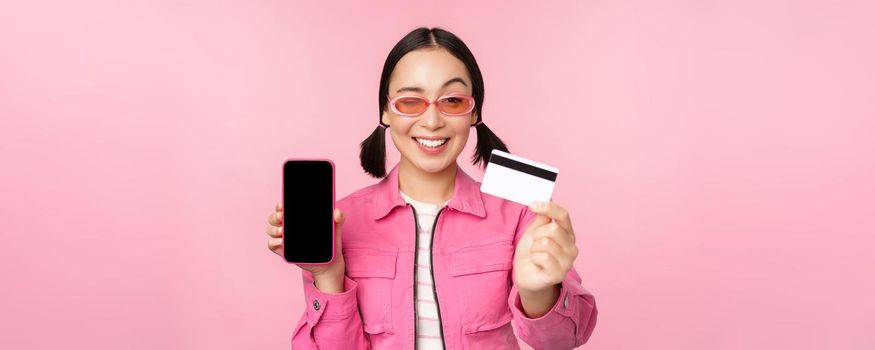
424,186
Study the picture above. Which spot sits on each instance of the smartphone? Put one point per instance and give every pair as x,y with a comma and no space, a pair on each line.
308,211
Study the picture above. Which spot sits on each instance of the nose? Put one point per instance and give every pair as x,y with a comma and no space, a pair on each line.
431,118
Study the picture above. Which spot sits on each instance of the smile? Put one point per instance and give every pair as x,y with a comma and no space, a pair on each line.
431,143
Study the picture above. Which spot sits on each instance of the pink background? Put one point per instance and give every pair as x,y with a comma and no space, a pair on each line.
717,158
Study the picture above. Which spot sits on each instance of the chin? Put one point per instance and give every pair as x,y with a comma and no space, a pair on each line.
432,165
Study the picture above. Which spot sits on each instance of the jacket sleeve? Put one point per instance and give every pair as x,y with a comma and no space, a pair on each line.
330,320
570,321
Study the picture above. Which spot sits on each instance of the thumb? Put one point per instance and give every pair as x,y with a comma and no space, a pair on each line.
339,218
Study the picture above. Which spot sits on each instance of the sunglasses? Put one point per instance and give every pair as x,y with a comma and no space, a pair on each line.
451,105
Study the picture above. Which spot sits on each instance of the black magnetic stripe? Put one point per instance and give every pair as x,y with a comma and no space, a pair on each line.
522,167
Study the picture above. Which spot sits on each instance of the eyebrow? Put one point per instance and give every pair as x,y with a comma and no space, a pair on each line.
420,90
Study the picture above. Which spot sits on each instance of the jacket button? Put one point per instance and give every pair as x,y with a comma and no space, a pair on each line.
316,304
565,303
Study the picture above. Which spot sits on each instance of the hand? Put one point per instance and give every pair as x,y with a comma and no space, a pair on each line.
328,277
546,251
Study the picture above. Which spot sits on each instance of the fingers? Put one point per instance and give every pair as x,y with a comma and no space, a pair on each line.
550,268
556,232
555,212
275,219
275,244
540,220
274,231
562,256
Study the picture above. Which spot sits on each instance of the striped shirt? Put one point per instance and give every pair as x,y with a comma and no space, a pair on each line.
428,324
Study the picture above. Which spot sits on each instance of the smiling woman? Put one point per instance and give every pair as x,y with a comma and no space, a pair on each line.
432,63
428,261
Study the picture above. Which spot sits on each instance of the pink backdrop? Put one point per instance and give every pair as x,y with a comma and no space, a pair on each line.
717,158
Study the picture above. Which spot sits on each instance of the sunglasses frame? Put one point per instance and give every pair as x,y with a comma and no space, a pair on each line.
429,103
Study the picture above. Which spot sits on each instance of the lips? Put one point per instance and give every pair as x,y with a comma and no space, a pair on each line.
431,142
432,146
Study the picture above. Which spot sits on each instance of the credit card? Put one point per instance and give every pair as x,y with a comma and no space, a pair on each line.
518,179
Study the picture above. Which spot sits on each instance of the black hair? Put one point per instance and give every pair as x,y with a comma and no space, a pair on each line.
373,149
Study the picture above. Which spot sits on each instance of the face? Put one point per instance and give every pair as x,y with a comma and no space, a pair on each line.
431,141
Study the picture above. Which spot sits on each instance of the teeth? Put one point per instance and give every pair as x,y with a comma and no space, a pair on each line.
431,143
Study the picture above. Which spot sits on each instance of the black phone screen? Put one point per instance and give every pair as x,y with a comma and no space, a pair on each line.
308,208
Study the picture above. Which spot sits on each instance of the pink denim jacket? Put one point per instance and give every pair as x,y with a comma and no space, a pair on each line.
474,240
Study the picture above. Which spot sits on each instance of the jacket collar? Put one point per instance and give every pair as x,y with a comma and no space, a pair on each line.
466,195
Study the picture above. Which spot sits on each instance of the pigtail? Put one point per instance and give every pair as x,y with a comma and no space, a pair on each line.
486,142
373,153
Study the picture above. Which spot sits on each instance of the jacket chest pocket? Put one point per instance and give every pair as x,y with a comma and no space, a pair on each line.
373,269
482,274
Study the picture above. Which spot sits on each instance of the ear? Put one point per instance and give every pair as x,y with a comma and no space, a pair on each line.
384,118
473,119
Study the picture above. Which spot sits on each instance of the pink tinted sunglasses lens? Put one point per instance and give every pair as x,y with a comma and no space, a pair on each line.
411,105
456,105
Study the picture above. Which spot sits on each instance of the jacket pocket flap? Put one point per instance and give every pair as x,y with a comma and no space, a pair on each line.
368,262
377,329
494,257
488,326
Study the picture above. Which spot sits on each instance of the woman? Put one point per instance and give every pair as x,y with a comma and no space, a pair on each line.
428,261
